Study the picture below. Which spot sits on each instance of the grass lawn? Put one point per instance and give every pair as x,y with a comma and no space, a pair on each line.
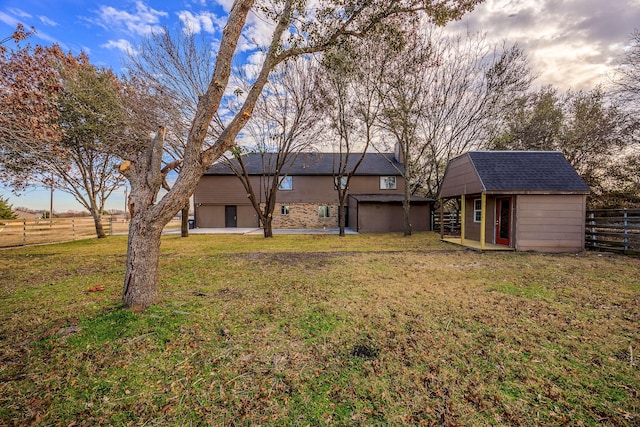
320,330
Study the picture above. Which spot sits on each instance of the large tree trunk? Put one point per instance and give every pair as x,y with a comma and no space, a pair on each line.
149,215
145,229
143,255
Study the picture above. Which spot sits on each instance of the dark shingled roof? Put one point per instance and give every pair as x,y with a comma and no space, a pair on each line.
526,171
318,164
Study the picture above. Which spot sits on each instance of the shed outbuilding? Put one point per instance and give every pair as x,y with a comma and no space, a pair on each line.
522,200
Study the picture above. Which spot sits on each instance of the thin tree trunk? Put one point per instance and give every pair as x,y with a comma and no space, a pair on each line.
406,205
184,225
268,225
341,218
97,221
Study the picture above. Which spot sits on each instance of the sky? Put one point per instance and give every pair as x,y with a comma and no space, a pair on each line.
571,44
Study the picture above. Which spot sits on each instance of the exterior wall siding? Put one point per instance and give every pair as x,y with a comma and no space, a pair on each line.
461,178
221,190
472,229
213,216
388,217
550,223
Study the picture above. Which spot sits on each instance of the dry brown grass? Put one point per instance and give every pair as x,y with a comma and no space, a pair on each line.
320,330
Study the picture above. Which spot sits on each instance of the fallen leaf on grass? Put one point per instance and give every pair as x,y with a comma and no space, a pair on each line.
96,288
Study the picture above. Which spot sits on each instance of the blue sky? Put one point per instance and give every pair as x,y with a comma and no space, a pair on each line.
570,43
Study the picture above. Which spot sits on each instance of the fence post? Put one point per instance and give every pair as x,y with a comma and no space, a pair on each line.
626,231
111,225
592,228
73,228
24,232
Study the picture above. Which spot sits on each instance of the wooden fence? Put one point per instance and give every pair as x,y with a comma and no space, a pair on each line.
613,230
451,222
39,231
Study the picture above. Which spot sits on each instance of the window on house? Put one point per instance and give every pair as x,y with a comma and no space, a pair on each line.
477,210
286,183
284,210
387,182
324,212
343,182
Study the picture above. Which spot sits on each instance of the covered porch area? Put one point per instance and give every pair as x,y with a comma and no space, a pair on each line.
477,216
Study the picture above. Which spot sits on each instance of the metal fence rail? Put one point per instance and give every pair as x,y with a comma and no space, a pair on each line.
613,230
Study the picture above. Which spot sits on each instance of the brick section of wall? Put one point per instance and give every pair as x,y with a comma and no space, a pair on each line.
304,215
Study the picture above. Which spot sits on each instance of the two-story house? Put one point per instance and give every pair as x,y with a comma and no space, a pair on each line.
308,198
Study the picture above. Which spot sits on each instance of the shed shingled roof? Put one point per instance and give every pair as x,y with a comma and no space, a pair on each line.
319,164
526,171
513,172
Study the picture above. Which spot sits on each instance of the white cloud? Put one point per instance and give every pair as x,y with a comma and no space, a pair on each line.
18,12
570,43
226,4
257,34
122,44
9,20
206,21
253,64
145,20
190,22
47,21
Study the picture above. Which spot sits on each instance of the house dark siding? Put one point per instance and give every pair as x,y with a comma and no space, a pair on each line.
312,189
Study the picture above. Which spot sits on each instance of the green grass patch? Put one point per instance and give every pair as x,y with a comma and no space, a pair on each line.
319,330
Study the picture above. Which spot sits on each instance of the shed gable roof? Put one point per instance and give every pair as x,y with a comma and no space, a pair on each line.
522,172
316,164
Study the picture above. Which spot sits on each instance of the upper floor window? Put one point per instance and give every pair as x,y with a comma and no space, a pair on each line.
477,210
343,182
387,182
286,183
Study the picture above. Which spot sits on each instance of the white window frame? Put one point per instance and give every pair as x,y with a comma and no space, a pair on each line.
324,211
388,182
284,209
477,210
286,183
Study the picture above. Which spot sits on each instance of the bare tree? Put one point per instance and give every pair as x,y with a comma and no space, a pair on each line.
308,31
352,103
285,123
626,80
451,94
472,84
177,65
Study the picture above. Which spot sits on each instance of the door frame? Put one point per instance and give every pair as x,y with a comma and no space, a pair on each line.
499,223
